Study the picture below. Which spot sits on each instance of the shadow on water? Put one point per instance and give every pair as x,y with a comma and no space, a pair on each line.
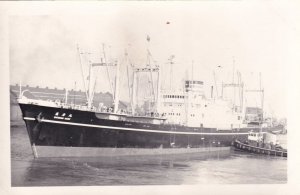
131,170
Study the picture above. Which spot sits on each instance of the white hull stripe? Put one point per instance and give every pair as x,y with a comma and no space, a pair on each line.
132,129
29,118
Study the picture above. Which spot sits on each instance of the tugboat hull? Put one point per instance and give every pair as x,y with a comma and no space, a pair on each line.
240,146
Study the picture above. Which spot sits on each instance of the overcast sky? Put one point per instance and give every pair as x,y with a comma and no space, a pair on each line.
206,34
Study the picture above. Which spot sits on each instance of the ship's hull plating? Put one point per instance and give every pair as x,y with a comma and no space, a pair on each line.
60,127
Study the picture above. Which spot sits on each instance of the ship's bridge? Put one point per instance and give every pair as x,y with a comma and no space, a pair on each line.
194,86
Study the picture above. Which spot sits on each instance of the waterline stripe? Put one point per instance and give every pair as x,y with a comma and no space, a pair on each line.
133,129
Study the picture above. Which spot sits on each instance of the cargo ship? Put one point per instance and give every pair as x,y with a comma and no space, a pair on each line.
183,121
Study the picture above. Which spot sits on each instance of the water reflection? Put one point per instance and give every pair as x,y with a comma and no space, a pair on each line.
139,170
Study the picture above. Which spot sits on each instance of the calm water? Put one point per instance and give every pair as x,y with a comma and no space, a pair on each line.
235,168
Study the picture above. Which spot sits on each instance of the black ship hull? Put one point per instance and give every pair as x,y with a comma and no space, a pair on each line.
58,127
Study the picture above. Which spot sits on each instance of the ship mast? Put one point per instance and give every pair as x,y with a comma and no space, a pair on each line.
116,91
261,91
133,94
151,70
233,66
129,87
82,75
239,84
262,98
171,71
149,64
91,86
262,103
158,103
136,71
89,90
107,71
186,97
116,98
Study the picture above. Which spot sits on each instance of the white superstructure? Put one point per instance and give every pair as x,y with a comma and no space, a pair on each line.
190,107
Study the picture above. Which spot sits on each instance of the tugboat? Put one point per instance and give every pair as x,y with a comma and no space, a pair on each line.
260,143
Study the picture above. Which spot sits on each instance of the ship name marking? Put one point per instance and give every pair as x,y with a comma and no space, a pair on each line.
62,116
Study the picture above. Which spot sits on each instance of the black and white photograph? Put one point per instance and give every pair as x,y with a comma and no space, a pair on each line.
149,93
